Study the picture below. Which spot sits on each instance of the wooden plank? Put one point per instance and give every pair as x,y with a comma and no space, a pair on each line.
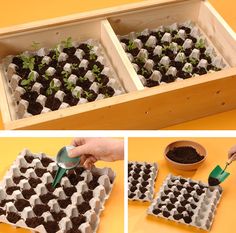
152,108
101,13
152,18
119,59
219,32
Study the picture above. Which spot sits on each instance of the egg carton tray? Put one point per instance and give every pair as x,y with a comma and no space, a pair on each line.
141,180
17,90
28,200
169,53
186,201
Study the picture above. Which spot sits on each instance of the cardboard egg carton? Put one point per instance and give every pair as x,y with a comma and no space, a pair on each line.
17,90
150,51
186,201
141,180
28,200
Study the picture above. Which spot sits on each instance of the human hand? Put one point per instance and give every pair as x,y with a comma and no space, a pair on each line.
90,150
232,153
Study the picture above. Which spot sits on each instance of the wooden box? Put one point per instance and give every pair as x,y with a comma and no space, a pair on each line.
139,108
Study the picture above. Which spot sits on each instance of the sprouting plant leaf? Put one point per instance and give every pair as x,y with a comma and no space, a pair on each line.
181,57
35,45
82,79
88,94
180,48
140,59
90,47
25,82
65,74
40,66
131,46
57,53
96,70
193,61
74,66
67,43
28,62
46,77
144,71
92,56
78,95
52,88
188,69
31,76
200,44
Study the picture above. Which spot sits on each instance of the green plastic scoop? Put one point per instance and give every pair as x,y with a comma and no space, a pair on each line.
64,163
218,175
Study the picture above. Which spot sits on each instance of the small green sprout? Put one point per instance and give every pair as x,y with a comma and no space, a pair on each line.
46,77
92,56
193,61
140,59
69,85
90,47
131,46
96,70
200,44
35,45
67,43
40,66
180,48
144,71
57,53
181,57
78,95
82,79
28,62
27,82
188,69
88,94
52,88
75,66
65,74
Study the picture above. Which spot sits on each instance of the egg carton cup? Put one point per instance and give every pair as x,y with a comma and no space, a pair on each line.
13,80
70,200
141,180
191,206
217,60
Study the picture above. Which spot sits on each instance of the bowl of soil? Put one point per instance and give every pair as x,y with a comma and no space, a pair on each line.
185,155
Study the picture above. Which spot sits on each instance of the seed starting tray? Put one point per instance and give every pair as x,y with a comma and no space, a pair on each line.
28,200
61,77
171,53
141,180
186,201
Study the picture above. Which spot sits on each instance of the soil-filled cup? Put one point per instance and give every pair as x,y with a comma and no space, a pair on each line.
185,155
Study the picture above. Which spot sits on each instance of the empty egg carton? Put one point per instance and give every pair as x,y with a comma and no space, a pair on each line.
28,200
141,180
186,201
85,67
171,53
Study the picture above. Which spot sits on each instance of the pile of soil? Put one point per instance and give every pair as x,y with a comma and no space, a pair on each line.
184,155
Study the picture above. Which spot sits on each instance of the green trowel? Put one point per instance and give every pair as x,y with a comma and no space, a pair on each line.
218,175
64,163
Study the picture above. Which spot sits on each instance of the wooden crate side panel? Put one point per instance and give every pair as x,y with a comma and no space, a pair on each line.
49,37
154,108
119,59
219,32
138,20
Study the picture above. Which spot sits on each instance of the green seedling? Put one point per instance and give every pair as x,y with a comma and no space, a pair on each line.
26,82
88,95
57,53
96,70
82,79
200,44
52,88
28,62
75,66
92,56
90,47
131,46
67,43
188,69
65,74
69,85
193,61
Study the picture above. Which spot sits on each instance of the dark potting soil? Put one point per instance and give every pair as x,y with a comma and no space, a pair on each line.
10,190
29,158
73,231
133,188
46,161
166,214
144,184
79,170
51,226
17,179
185,155
24,169
178,216
87,196
135,182
74,179
47,197
39,209
142,196
187,219
34,222
20,204
3,202
83,207
77,221
52,102
30,96
27,193
40,171
64,203
2,212
156,211
131,195
142,189
58,216
213,181
70,99
34,182
69,191
34,108
13,217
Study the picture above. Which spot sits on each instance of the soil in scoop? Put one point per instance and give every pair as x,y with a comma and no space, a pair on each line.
34,222
13,217
184,155
213,181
